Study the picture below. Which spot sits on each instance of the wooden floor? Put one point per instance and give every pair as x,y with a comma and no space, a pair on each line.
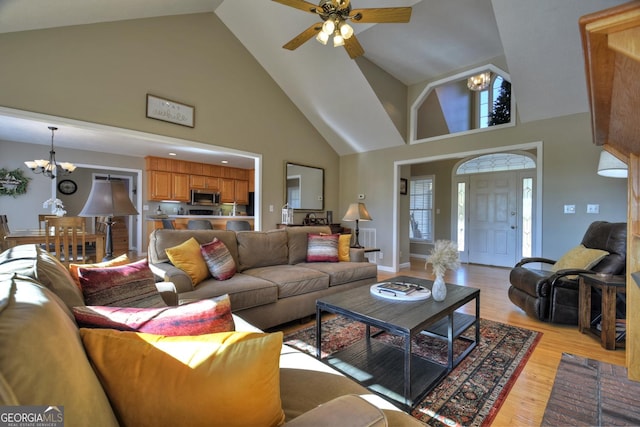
527,399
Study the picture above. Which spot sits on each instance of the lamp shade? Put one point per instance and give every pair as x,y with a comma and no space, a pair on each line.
108,198
611,166
357,212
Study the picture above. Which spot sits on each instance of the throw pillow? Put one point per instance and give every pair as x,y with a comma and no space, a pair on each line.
218,259
344,247
224,379
73,268
129,285
187,257
196,318
322,247
579,257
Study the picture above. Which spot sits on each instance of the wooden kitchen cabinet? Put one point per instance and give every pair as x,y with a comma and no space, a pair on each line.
201,182
227,190
242,192
168,186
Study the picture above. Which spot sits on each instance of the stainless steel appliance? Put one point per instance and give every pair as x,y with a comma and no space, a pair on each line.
204,198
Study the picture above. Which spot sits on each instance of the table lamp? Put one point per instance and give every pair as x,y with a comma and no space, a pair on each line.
357,212
108,198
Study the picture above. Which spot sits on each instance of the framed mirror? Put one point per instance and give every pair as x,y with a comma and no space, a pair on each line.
304,187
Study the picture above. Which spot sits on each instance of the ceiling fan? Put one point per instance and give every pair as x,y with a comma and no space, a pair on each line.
336,14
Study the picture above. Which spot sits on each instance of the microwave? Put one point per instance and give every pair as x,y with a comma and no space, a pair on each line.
204,197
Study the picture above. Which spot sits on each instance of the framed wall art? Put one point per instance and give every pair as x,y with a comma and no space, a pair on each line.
170,111
403,186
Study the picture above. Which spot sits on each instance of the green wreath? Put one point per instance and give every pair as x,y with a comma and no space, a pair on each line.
17,177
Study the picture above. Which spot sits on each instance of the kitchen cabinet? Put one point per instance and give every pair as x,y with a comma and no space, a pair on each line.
234,190
168,186
201,182
241,192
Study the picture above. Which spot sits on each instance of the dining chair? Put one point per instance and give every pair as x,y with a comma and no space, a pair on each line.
167,224
199,224
238,225
67,238
42,219
4,230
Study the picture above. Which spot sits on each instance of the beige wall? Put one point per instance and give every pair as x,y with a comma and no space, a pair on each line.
101,73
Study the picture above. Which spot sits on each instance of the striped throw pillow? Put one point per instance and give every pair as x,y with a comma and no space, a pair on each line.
130,285
322,247
200,317
219,260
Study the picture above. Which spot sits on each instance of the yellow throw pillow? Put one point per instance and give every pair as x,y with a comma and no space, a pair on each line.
579,257
73,268
187,257
344,243
225,379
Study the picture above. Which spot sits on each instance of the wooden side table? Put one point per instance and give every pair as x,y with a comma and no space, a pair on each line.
609,287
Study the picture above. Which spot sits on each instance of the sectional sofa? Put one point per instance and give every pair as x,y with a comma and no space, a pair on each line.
46,360
274,283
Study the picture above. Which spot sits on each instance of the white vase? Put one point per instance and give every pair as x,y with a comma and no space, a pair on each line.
439,289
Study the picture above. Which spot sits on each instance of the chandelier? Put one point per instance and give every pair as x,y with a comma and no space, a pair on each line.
479,81
50,168
335,15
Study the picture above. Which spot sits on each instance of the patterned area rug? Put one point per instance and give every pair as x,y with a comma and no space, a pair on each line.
587,392
473,392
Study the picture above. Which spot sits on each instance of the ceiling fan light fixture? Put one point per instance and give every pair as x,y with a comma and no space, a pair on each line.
345,30
322,37
328,27
338,40
479,81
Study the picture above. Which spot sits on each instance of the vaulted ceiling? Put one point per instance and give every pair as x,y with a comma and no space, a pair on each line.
537,40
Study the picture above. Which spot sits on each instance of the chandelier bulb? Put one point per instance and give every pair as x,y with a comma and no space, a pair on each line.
338,40
328,27
322,37
345,30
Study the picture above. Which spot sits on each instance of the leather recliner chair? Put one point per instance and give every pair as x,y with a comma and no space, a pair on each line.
553,297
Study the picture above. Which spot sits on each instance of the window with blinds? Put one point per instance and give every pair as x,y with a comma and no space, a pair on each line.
421,208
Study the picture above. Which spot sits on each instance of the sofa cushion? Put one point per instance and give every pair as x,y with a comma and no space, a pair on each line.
261,249
130,285
244,291
343,272
344,248
322,247
226,379
196,318
298,242
73,268
42,359
292,280
219,260
336,411
35,262
188,258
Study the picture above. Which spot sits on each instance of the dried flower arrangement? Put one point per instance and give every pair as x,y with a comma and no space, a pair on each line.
444,256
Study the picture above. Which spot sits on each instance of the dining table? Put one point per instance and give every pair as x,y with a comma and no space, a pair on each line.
38,236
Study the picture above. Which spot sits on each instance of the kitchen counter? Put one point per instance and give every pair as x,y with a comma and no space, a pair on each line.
188,217
219,222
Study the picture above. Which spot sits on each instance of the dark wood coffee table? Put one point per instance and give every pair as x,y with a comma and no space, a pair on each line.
396,373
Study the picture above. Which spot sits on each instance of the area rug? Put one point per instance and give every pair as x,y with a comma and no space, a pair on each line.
587,392
473,392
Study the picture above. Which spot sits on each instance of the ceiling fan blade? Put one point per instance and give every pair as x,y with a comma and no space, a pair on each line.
353,47
304,36
301,4
381,15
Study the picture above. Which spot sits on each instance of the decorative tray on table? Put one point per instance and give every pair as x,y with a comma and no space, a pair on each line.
400,291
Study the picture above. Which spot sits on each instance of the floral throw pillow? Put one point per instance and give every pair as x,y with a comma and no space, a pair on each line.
219,260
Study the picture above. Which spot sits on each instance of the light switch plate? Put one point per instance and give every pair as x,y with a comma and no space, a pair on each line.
569,209
593,208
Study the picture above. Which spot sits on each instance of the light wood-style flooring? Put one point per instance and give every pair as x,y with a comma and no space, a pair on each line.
527,399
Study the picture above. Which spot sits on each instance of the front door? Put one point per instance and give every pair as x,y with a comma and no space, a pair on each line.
493,219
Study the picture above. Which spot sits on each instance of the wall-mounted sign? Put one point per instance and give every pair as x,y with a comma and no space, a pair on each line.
170,111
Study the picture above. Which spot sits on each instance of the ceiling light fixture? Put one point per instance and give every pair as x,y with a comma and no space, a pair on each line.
479,81
50,168
337,12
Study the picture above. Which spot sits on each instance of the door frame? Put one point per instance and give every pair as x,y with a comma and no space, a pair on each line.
536,145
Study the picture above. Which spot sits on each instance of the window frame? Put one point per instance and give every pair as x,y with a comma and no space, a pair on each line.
431,224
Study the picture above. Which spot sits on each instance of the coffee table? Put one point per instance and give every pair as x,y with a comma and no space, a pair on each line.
396,373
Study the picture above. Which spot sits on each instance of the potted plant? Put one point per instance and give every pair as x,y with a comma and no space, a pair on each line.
444,256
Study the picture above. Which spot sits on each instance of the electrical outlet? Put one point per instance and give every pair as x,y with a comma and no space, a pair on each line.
270,208
380,255
593,209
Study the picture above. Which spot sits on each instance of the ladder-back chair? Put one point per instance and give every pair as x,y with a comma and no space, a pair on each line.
66,235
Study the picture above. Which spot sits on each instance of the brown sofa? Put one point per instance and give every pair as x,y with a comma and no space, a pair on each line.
274,283
43,361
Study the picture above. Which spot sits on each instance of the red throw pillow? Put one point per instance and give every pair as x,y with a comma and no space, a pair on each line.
219,260
196,318
130,285
322,247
